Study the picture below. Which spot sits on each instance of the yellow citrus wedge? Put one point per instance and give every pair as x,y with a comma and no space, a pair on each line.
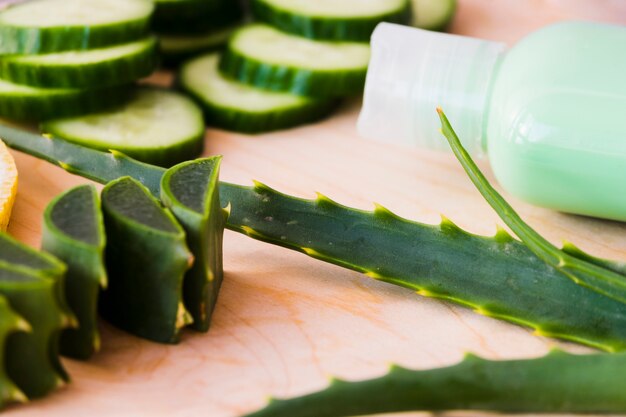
8,185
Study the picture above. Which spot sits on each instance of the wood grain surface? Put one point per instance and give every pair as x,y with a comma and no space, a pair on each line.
284,322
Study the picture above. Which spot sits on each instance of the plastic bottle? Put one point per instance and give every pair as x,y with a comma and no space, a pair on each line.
550,113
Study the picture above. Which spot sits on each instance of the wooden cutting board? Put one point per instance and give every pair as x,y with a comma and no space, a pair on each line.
284,322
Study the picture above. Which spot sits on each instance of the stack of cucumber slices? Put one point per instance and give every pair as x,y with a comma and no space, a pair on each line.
292,66
66,57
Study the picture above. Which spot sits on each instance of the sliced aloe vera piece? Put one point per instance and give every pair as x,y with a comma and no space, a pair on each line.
10,323
34,289
73,231
345,20
41,26
556,383
156,126
190,191
96,68
186,17
146,258
24,103
265,57
235,106
177,48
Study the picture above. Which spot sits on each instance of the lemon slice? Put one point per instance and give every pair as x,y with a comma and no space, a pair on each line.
8,185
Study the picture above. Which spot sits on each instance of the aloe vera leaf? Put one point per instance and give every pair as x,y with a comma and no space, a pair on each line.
190,191
33,286
605,281
73,231
498,276
10,322
146,259
95,165
556,383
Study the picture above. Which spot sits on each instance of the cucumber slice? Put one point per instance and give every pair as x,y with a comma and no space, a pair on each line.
120,64
177,48
73,231
264,57
190,191
343,20
146,258
184,17
32,282
23,103
433,14
10,323
235,106
42,26
156,126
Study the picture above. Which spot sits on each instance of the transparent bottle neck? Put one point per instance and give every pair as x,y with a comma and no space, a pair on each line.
414,71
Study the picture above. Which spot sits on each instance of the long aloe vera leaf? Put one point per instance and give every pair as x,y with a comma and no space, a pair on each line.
556,383
190,191
33,286
496,276
73,231
146,259
10,323
605,281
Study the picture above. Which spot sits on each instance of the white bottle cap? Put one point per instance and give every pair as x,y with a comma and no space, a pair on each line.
414,71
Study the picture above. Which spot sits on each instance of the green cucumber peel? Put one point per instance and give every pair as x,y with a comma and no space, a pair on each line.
138,127
175,49
146,258
191,17
556,383
255,56
190,191
581,269
238,107
497,276
31,104
354,26
10,323
44,26
35,292
96,68
73,231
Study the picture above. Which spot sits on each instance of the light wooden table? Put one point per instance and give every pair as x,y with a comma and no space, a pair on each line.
285,322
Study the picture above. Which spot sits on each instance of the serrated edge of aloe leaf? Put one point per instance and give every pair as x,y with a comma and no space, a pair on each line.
63,317
591,275
382,214
474,383
15,323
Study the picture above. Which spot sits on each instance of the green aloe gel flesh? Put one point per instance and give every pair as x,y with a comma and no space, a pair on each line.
550,112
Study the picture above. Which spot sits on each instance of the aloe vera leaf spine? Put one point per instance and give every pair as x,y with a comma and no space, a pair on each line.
190,191
556,383
10,323
498,276
73,231
146,258
589,274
